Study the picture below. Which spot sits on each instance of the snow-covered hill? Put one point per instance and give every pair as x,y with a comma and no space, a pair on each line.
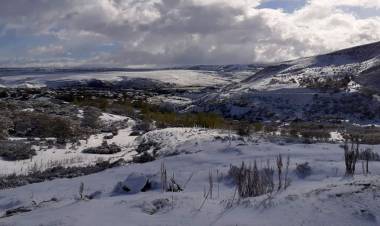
176,78
356,62
362,63
307,88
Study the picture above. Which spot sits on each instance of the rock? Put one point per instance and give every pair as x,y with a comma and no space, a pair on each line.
18,210
134,184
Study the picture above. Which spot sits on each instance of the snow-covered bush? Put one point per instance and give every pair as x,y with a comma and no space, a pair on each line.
337,83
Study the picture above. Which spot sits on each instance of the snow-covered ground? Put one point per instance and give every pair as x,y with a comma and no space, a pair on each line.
170,141
182,78
71,155
323,198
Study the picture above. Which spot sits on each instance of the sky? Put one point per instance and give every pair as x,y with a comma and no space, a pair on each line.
125,33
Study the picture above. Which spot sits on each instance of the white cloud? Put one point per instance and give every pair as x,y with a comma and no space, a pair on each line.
47,50
358,3
186,31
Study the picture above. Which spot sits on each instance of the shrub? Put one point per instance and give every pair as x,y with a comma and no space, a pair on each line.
172,119
30,124
13,181
270,128
258,127
173,186
142,127
351,155
326,83
251,181
104,149
366,135
243,129
150,112
369,155
147,145
13,151
303,170
143,158
315,134
91,117
5,125
310,130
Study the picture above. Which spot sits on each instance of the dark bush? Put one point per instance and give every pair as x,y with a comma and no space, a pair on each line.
30,124
5,125
303,170
351,155
142,127
91,117
310,130
143,158
13,151
251,181
104,149
244,129
54,173
147,145
369,155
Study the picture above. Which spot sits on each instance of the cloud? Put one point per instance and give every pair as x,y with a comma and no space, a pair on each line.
168,32
50,50
358,3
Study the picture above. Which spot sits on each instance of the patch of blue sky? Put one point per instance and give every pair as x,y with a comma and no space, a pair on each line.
88,51
14,43
288,6
361,12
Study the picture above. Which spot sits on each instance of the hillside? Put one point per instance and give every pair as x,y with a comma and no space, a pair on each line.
329,86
